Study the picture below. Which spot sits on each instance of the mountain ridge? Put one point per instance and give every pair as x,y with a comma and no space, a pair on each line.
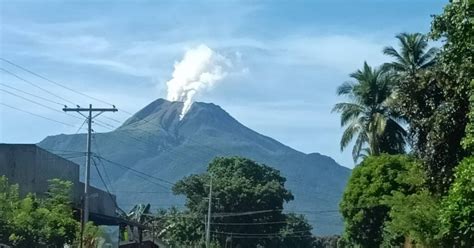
171,148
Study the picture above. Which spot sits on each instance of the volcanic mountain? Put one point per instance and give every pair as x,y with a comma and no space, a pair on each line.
155,141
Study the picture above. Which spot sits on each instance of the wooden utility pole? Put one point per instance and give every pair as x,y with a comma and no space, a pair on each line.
89,117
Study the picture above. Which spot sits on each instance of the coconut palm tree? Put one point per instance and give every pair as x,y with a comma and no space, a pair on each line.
412,55
368,116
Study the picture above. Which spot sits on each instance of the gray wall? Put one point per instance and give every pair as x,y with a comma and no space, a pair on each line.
31,167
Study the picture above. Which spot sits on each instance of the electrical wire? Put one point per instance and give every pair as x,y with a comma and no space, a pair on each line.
37,115
37,103
97,149
35,85
24,92
105,186
259,234
57,83
138,173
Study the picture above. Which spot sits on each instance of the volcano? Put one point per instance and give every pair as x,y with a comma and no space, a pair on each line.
155,141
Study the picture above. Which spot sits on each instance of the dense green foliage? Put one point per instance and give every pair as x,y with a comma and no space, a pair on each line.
435,101
90,236
369,115
327,242
239,185
457,212
364,204
296,233
34,222
468,142
390,201
8,200
412,217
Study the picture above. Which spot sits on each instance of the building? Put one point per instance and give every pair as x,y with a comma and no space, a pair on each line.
31,167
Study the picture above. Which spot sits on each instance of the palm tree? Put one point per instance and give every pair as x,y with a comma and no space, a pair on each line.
369,116
413,54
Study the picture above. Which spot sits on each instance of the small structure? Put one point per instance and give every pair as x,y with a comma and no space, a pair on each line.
31,167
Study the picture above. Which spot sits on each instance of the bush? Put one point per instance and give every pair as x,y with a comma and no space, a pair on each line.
457,208
364,205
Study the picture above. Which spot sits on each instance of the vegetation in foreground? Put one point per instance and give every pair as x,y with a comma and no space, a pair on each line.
248,201
424,198
41,222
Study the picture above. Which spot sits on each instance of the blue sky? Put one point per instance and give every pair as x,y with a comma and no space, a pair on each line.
288,56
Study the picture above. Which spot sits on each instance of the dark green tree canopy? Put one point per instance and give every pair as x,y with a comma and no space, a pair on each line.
434,100
364,205
239,185
457,213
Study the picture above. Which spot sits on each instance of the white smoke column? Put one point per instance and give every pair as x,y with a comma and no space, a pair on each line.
200,69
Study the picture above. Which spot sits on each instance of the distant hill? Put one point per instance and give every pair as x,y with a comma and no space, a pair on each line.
157,142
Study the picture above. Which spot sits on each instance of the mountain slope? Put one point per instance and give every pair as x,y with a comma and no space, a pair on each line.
157,142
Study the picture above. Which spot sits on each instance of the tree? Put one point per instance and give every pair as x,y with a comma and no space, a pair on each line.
468,142
369,114
328,242
239,185
296,233
179,228
413,219
8,201
364,206
457,211
413,55
435,101
90,236
60,222
34,222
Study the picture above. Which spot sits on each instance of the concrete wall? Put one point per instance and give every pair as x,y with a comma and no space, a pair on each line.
31,167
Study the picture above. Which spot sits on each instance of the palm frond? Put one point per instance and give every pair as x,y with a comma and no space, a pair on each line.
345,88
348,134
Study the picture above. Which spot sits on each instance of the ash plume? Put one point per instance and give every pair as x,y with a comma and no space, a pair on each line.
199,70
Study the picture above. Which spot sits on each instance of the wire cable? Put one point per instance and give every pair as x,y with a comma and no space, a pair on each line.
37,103
105,185
57,83
40,116
35,85
138,173
33,95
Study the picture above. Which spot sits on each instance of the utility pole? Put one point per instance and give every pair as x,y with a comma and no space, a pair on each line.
208,230
89,117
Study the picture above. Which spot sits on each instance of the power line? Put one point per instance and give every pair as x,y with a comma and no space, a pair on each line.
35,85
259,234
112,119
84,122
51,81
40,116
249,224
57,83
105,185
218,215
24,92
142,174
142,192
94,138
267,237
37,103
